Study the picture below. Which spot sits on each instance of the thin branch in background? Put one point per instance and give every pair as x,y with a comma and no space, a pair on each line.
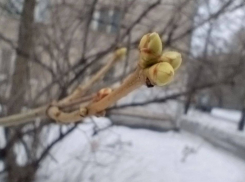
54,142
173,96
86,31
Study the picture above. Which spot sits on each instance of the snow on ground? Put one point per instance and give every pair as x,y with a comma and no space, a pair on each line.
221,120
228,114
121,154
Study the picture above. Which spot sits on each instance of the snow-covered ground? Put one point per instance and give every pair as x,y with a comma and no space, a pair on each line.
220,119
227,114
121,154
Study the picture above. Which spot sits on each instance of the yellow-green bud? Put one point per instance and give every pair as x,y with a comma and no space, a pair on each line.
120,53
150,47
160,74
144,41
173,58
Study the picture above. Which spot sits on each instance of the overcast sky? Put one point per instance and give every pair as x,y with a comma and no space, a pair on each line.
224,27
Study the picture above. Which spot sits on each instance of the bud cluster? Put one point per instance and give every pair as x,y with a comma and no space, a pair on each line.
158,66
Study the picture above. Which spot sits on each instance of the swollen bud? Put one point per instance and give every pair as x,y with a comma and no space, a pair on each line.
144,41
120,53
102,93
173,58
160,74
150,47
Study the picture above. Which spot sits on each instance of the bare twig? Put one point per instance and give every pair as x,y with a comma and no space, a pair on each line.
82,89
133,82
54,111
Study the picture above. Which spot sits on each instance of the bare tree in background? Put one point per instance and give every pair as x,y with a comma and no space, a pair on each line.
237,49
19,88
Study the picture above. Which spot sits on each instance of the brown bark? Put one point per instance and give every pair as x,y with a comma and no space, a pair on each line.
21,73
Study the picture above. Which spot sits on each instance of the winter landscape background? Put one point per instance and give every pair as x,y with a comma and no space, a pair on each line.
191,130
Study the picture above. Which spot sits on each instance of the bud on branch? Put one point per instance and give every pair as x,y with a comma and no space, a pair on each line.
154,69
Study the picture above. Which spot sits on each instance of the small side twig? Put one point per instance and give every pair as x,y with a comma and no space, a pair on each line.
134,81
73,100
82,89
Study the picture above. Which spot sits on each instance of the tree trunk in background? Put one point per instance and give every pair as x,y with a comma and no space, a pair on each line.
188,102
18,94
241,124
20,79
